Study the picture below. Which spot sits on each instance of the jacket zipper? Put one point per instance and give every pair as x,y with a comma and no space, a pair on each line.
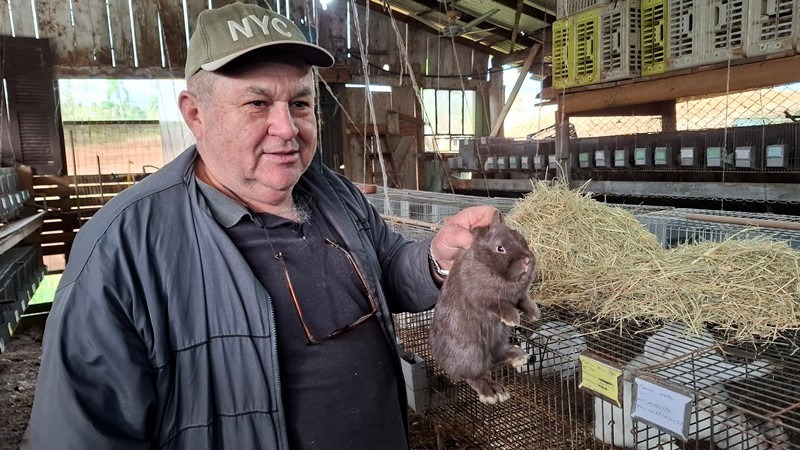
279,399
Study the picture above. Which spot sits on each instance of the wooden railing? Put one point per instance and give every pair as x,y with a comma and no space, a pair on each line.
70,201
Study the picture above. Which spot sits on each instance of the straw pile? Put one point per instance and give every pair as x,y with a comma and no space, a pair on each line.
599,260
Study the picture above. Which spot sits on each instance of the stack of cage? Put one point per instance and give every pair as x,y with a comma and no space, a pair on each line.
576,42
596,41
21,270
11,197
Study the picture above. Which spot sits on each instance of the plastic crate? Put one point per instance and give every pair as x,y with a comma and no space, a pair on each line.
563,76
728,23
773,26
586,45
565,8
654,37
620,41
685,43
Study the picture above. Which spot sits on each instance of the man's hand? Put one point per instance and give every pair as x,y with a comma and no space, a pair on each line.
457,233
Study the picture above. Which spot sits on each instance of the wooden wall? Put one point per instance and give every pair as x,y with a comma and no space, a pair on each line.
147,38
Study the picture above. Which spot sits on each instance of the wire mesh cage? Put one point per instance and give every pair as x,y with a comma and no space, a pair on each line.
429,207
681,226
735,394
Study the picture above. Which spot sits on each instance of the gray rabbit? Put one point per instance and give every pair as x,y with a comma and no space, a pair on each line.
484,293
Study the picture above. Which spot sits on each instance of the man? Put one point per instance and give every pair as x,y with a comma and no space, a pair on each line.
241,297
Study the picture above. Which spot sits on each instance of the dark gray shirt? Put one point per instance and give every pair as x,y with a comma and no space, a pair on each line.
341,393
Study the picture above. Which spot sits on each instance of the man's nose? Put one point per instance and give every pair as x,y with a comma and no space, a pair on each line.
281,122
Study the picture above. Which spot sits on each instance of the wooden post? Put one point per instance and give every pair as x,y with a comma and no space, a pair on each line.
498,121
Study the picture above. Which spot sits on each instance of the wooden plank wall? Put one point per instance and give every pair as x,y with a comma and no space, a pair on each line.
147,39
70,205
122,39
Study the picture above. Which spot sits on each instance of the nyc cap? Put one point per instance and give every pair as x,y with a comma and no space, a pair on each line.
226,33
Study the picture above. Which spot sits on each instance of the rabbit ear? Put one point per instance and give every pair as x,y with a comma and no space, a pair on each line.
497,218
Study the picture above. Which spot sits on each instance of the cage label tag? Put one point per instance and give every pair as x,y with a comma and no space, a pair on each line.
663,408
601,378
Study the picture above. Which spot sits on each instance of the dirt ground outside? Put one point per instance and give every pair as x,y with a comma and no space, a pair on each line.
19,367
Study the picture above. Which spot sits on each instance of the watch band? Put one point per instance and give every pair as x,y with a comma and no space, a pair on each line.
436,268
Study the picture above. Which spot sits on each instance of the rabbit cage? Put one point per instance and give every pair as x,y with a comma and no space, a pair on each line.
597,384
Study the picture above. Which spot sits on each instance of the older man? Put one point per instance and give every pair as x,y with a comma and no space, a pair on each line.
240,297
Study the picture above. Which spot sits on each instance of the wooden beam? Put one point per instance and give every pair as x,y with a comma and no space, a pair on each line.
643,109
697,82
515,30
520,79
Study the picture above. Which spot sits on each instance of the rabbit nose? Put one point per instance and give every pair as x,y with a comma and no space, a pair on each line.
525,263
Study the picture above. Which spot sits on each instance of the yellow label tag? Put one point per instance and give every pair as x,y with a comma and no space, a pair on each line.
10,330
600,378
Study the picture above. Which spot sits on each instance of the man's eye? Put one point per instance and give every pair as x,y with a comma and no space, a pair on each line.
258,103
301,104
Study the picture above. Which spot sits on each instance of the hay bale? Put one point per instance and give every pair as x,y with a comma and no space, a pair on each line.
599,260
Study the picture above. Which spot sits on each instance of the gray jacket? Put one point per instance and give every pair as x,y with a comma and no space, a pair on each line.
162,337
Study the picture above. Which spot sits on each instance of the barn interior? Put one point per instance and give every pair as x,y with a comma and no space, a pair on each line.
681,115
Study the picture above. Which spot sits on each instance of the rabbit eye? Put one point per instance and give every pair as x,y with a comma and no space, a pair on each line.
501,249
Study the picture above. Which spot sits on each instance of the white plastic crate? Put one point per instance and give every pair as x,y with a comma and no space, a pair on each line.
728,21
565,8
685,44
773,26
620,46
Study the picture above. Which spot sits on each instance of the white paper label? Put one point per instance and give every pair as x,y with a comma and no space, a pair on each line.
662,408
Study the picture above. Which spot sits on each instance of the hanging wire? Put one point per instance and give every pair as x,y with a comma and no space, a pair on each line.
364,50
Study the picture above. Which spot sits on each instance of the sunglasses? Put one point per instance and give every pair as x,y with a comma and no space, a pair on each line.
310,337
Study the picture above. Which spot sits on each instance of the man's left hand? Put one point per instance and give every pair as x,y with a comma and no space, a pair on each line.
456,234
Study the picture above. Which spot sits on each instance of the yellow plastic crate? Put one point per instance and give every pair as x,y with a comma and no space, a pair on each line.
586,42
563,77
654,37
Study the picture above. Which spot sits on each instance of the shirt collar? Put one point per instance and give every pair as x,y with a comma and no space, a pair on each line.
225,210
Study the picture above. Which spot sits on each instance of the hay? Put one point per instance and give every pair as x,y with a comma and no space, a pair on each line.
599,260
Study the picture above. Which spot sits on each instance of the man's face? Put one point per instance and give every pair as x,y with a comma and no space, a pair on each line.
259,130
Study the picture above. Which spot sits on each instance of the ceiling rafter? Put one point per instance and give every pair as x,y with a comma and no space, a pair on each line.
458,39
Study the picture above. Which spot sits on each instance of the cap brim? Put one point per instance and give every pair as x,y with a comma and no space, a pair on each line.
313,55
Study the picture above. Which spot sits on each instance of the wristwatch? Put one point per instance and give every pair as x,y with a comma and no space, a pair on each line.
436,268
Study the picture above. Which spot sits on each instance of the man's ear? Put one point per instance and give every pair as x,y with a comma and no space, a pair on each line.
191,112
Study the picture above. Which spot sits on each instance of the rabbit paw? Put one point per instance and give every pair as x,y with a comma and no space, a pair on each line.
489,391
510,318
530,309
516,357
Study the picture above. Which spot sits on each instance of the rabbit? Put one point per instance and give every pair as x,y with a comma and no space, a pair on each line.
697,365
734,431
481,297
698,361
554,348
614,425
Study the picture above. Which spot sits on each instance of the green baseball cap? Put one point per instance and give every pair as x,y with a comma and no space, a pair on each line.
223,34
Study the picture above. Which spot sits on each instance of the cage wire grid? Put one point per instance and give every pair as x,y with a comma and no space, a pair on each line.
744,396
